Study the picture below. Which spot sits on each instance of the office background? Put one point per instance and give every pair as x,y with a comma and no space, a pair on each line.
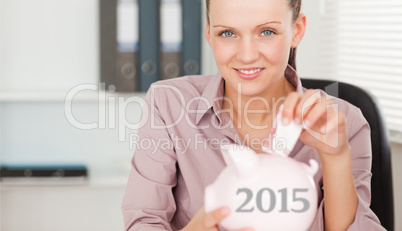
48,47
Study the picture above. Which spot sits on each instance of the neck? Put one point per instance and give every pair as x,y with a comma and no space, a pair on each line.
257,108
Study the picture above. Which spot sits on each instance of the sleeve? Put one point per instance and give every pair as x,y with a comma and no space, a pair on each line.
148,203
360,142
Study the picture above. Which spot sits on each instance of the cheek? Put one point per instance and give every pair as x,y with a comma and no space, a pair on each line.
222,52
277,52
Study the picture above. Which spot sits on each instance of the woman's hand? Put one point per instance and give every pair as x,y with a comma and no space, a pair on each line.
209,221
324,126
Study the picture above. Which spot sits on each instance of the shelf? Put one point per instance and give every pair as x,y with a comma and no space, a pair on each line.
94,182
57,97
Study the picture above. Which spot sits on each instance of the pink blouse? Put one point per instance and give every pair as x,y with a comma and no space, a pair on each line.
178,154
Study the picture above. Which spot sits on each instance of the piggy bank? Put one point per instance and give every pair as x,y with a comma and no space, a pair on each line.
264,191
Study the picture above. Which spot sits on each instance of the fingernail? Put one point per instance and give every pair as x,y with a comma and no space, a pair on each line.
225,211
285,121
322,129
307,123
297,120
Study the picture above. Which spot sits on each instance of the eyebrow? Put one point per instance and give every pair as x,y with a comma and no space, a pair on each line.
272,22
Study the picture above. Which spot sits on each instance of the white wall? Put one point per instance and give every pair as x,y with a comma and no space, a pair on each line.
397,174
208,61
48,45
307,58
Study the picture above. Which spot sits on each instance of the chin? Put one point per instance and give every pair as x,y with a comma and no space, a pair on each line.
252,91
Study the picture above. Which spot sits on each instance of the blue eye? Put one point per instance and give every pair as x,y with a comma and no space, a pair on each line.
267,33
227,34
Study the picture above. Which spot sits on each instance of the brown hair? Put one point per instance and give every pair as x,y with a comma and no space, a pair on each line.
295,6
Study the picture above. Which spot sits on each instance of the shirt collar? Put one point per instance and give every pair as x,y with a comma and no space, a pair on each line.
213,92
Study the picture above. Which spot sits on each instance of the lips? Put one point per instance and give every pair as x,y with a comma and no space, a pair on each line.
249,73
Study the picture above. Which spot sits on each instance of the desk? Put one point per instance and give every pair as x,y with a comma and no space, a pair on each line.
94,206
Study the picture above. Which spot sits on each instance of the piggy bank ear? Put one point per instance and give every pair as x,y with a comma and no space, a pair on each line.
227,151
286,136
243,158
313,168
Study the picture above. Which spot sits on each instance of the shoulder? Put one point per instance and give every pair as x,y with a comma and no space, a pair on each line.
192,84
176,92
180,88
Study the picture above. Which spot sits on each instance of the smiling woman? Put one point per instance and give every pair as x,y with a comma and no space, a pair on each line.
254,49
254,46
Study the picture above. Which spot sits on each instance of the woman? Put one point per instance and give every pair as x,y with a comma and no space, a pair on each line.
189,118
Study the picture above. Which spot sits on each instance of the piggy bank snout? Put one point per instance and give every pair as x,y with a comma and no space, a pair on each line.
210,199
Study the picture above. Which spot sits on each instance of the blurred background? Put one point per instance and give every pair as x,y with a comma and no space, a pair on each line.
67,70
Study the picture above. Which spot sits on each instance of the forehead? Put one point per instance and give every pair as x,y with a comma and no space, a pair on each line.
254,11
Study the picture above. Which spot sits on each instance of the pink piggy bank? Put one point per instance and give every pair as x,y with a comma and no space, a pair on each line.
264,191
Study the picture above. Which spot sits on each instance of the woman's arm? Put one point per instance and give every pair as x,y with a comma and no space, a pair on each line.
360,147
148,202
209,221
325,130
339,190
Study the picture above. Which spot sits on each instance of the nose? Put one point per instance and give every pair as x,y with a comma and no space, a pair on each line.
248,51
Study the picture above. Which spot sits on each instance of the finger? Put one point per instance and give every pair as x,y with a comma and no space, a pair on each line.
213,218
332,118
245,229
332,134
336,123
214,229
332,111
309,98
316,116
289,106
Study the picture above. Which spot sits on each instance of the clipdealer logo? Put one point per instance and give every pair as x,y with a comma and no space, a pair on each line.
108,106
112,110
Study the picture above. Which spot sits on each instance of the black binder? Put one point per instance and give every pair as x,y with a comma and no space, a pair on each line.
118,59
108,41
127,45
171,38
149,43
191,56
